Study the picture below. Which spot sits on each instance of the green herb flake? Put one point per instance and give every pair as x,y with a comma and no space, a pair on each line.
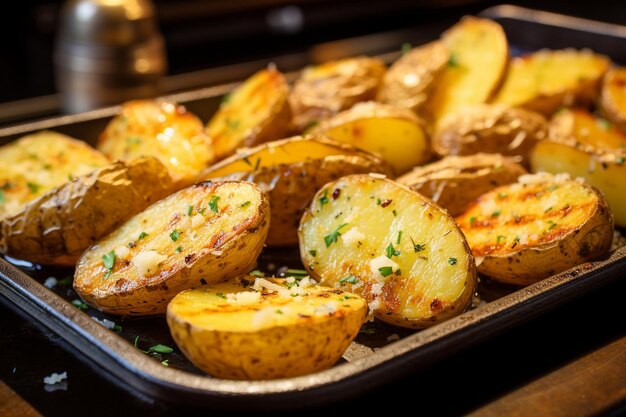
245,204
2,198
367,330
178,249
213,203
279,311
247,161
385,271
310,125
166,362
175,234
136,341
620,160
331,238
453,61
418,247
553,187
70,177
232,124
552,225
189,210
220,295
133,140
406,47
500,238
324,199
395,213
66,282
452,261
226,98
350,279
548,209
501,195
496,213
34,188
142,235
160,348
109,261
80,304
603,124
313,253
399,237
472,220
117,328
257,273
517,239
391,251
378,201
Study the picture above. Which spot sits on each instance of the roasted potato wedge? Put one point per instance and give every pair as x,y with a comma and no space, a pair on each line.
255,112
586,146
203,234
392,246
546,80
613,96
392,132
35,164
492,129
410,80
479,55
161,129
324,90
59,225
275,328
542,225
291,171
456,181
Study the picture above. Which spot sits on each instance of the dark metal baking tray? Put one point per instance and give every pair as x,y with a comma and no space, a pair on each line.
377,356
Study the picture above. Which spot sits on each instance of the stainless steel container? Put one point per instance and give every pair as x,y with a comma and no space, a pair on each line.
107,52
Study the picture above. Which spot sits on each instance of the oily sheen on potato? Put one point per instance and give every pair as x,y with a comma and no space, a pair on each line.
291,171
542,225
203,234
255,112
264,329
613,96
389,244
59,225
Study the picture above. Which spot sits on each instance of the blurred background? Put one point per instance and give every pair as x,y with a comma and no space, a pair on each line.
216,41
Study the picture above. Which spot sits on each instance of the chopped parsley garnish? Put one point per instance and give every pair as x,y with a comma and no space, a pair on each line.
620,160
47,166
324,199
80,304
418,247
313,253
452,261
552,225
378,201
517,239
257,273
279,311
350,279
367,330
472,220
245,203
296,273
553,187
496,213
604,124
385,271
175,234
2,199
117,328
109,261
178,249
213,203
501,195
166,362
391,251
136,341
34,188
406,47
160,348
70,177
331,238
220,295
312,123
247,161
66,282
133,140
399,237
226,98
454,60
142,235
499,239
395,213
232,124
189,210
548,209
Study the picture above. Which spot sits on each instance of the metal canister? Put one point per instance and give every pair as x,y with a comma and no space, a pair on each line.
107,52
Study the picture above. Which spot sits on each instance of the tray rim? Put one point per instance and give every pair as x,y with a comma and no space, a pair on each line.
116,356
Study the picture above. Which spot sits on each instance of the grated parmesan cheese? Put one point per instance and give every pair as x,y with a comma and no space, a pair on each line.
326,308
147,262
262,283
244,298
263,317
197,221
122,252
50,282
381,262
393,337
54,378
352,236
106,323
377,175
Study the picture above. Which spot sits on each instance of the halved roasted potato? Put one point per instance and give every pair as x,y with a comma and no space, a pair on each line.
456,181
324,90
586,146
391,245
35,164
161,129
542,225
392,132
492,129
291,171
255,112
546,80
613,96
206,233
264,329
479,55
409,80
59,225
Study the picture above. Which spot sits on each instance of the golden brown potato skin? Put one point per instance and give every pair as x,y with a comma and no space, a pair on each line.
255,112
291,171
58,226
163,129
226,242
491,129
324,90
528,231
456,181
613,96
274,337
409,80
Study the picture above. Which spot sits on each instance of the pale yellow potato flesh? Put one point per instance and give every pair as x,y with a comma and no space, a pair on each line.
39,162
392,246
577,126
528,231
255,112
164,130
269,336
613,96
392,132
546,80
479,55
206,233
